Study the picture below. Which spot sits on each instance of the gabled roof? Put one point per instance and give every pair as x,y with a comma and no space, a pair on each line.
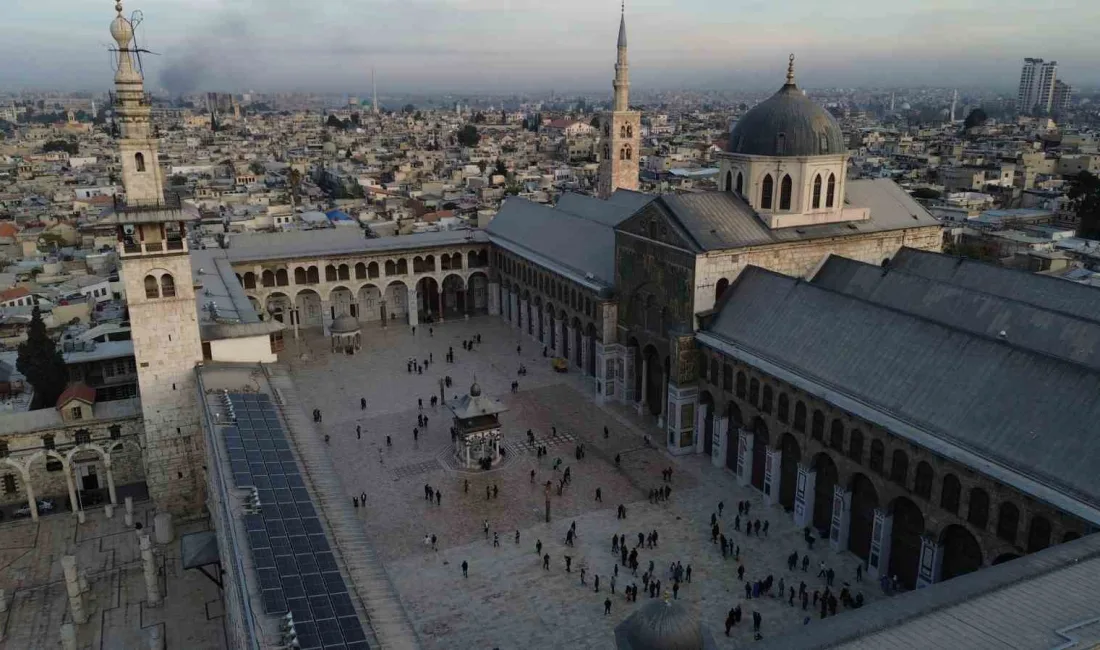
78,391
13,293
616,209
981,401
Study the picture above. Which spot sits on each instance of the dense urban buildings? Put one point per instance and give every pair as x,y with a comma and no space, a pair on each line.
264,355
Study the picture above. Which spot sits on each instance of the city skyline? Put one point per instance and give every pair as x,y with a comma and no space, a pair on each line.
524,46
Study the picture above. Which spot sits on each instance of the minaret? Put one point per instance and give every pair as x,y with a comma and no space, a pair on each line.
374,88
621,129
954,102
160,296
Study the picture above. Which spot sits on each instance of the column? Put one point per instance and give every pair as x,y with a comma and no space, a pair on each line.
439,301
294,319
555,333
702,412
385,312
931,562
111,483
680,406
586,345
74,504
494,299
605,372
513,308
744,457
645,378
721,440
772,463
664,401
32,502
72,586
571,343
523,316
326,316
149,568
413,307
842,517
804,496
878,564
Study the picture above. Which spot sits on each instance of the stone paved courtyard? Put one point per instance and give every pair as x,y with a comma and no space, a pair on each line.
509,601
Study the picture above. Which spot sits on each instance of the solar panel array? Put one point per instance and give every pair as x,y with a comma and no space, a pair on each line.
295,567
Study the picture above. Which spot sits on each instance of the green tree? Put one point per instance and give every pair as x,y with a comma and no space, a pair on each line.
468,136
334,122
501,169
42,364
926,193
479,118
257,168
1084,195
482,165
62,145
408,108
178,179
977,117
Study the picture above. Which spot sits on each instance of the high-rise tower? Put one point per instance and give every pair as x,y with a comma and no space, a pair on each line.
621,129
160,295
1036,92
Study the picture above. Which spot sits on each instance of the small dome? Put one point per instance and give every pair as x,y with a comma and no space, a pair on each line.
344,324
662,625
475,390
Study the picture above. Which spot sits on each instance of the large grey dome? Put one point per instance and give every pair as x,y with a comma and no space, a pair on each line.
662,625
344,324
787,124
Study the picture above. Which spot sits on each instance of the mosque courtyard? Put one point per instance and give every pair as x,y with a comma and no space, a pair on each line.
509,600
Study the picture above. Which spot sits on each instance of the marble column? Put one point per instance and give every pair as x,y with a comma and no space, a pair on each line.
721,439
804,497
745,440
439,302
772,462
929,571
494,299
413,307
878,564
842,517
326,316
149,568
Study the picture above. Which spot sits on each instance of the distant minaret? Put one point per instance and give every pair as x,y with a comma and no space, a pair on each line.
95,111
621,129
374,87
954,102
891,101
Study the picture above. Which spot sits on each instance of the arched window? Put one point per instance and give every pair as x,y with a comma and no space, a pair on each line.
950,493
836,435
281,279
267,279
720,288
922,481
152,290
978,514
249,280
1008,521
727,377
139,161
830,193
766,189
754,391
622,153
817,426
855,445
372,270
167,286
739,188
1038,535
785,193
729,181
629,152
878,454
622,131
800,417
817,192
899,468
741,385
766,403
629,130
784,408
312,276
822,144
343,272
299,275
360,271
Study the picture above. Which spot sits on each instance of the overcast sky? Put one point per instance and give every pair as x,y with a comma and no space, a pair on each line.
537,45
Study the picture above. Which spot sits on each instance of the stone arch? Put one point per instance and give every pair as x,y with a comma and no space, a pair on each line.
862,518
905,541
371,306
455,299
361,271
167,286
1038,534
950,493
978,512
267,278
816,203
281,278
760,442
312,275
899,467
277,304
720,288
754,391
402,266
706,406
308,304
654,393
41,491
1008,521
742,387
152,288
729,182
477,293
341,301
139,162
740,186
767,397
923,479
300,275
372,270
118,446
817,426
961,552
836,435
343,273
824,482
396,294
855,446
248,280
427,297
391,268
786,188
330,273
830,194
783,408
789,459
800,416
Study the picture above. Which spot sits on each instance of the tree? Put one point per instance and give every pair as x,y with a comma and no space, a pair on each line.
595,123
468,136
482,165
977,117
178,179
334,122
479,118
257,168
42,364
408,108
501,169
62,145
925,193
1084,196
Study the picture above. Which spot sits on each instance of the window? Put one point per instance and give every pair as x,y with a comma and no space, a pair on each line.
9,484
82,437
167,286
800,417
785,193
922,481
330,273
783,410
727,377
878,454
3,448
267,279
754,391
950,493
622,153
300,275
629,152
151,289
740,184
978,514
48,441
899,468
76,413
1008,521
766,404
817,192
720,289
817,426
139,161
830,194
116,431
855,446
54,465
741,388
729,181
766,189
836,435
822,144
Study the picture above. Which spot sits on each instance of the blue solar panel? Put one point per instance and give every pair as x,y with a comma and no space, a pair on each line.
295,567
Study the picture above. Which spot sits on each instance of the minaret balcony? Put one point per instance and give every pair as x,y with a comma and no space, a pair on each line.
139,249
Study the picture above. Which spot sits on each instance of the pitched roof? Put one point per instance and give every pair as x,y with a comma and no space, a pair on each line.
13,293
722,220
79,391
981,401
616,209
8,229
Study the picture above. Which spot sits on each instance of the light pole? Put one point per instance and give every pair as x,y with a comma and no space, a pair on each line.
547,501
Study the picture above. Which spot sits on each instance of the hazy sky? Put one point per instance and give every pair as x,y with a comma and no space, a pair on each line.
529,45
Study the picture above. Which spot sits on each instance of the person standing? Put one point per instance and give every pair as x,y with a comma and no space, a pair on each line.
486,527
606,606
517,536
756,620
546,562
358,432
496,540
675,590
465,569
596,581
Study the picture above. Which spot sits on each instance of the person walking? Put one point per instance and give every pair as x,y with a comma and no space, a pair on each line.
486,527
358,432
756,620
496,540
859,572
517,536
465,569
675,590
538,547
546,562
599,495
362,403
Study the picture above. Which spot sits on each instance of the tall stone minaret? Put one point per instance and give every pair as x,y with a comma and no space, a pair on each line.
374,88
621,127
160,296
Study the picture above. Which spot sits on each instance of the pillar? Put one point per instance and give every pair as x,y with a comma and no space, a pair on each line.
111,483
663,416
555,333
128,518
523,316
413,307
702,412
326,316
878,563
804,496
586,346
931,562
772,463
72,586
629,369
32,502
494,299
542,328
744,457
721,439
385,312
645,380
68,636
149,568
842,517
681,404
439,301
74,504
513,308
294,319
605,373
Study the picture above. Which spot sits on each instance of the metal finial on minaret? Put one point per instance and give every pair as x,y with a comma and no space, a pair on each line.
118,6
790,70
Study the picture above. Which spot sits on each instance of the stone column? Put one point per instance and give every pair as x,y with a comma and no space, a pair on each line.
931,562
555,334
439,301
629,369
522,319
745,441
804,496
68,636
772,462
571,342
494,299
513,308
294,318
72,586
721,439
702,413
645,380
32,502
149,568
878,564
385,313
842,517
586,345
664,402
680,403
413,307
111,484
605,373
74,503
128,517
326,316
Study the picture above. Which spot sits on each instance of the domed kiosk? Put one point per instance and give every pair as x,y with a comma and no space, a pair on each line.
787,159
477,432
345,334
663,625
